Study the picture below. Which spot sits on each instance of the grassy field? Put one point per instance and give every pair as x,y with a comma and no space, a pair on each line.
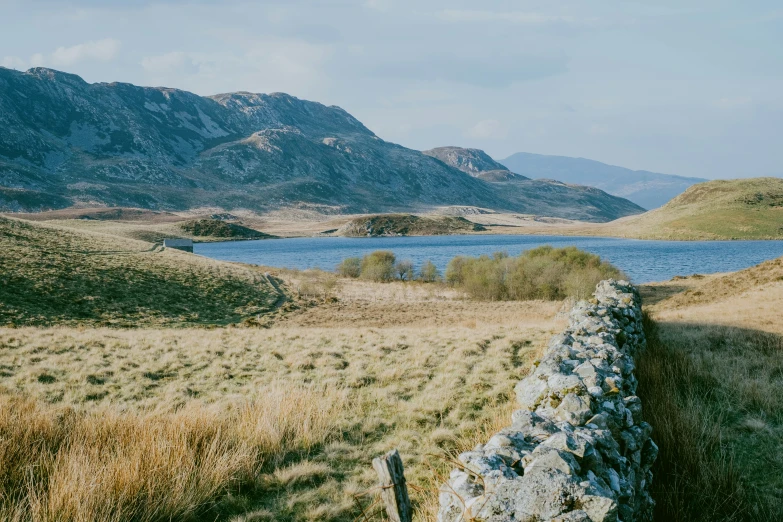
224,423
53,275
712,381
186,416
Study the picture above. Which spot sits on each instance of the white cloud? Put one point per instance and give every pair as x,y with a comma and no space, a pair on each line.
488,130
164,63
272,64
13,62
99,50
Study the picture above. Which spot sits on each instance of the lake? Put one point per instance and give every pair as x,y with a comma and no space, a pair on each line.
642,260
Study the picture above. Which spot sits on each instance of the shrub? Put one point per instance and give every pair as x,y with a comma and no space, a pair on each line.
378,266
541,273
350,267
429,273
404,270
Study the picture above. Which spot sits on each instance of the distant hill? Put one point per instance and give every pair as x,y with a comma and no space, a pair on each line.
535,195
67,142
647,189
407,225
721,209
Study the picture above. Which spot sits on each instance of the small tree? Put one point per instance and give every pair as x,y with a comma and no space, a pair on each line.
404,270
378,266
350,267
429,273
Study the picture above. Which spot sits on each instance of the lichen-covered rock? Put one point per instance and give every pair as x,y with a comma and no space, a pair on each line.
578,450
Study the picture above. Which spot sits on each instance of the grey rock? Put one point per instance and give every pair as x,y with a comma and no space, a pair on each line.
572,452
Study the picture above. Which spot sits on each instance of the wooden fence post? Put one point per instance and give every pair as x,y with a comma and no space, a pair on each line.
394,491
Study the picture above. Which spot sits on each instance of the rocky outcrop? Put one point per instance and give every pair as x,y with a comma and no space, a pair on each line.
578,450
407,225
470,161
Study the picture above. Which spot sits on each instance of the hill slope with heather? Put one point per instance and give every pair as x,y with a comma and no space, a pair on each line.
68,142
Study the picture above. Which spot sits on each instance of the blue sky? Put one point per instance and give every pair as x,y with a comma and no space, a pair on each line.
688,87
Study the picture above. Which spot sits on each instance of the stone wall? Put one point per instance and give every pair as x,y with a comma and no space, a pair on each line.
578,449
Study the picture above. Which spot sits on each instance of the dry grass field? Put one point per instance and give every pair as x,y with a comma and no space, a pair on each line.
246,423
712,381
125,407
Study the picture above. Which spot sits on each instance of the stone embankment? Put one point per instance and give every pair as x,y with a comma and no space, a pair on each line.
578,450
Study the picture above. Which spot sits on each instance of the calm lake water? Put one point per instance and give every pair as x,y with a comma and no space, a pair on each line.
643,261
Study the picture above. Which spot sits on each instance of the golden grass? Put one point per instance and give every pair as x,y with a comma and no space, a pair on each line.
434,385
58,463
713,395
243,424
751,298
711,381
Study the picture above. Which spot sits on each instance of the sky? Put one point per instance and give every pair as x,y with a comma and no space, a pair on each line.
688,87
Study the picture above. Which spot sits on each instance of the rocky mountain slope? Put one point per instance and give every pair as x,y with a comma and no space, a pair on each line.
475,162
67,142
646,189
535,195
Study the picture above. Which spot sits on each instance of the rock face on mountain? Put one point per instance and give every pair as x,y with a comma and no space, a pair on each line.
471,161
66,141
534,195
647,189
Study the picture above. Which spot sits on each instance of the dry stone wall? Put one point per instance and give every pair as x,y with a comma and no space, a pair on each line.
578,449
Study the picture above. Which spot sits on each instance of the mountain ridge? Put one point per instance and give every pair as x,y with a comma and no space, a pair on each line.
645,188
118,144
535,194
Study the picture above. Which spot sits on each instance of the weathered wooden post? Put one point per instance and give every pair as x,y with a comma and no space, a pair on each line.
394,491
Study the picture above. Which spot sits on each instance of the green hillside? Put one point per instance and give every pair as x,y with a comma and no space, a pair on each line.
53,275
721,209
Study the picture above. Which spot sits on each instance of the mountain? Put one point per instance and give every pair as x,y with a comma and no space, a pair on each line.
647,189
749,208
535,195
67,142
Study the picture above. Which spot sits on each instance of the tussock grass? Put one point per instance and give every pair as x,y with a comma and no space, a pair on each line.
242,424
59,463
428,388
713,396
